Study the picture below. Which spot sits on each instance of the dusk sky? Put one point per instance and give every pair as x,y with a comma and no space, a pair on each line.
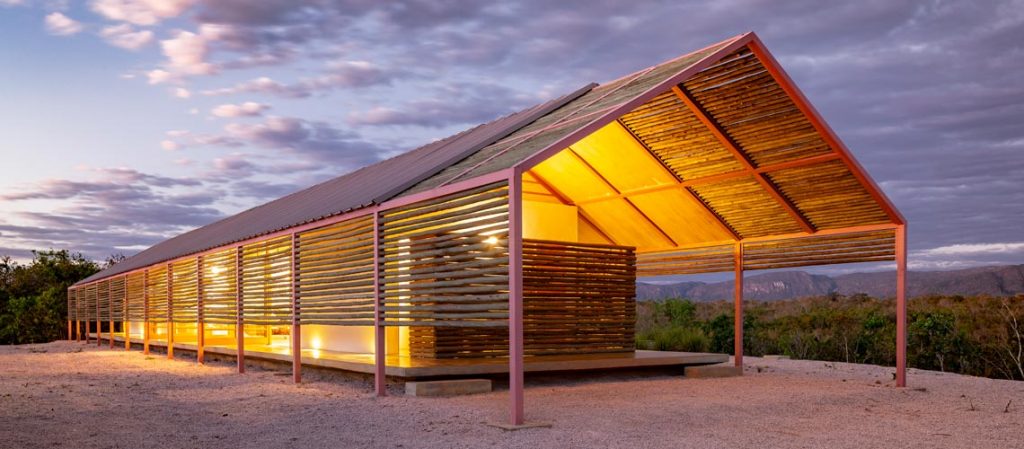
125,122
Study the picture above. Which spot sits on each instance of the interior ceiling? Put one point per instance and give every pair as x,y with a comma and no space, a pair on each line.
725,156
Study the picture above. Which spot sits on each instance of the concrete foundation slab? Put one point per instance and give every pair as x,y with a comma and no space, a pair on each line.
713,371
441,388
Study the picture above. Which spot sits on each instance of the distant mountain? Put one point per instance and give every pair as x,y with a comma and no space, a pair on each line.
1000,280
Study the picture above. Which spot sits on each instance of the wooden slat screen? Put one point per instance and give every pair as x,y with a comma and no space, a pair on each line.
820,250
184,292
266,282
445,261
90,302
135,295
334,279
117,292
578,298
103,300
72,304
710,259
219,280
156,285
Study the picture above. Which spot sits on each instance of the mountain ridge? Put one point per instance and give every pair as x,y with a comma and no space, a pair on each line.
996,280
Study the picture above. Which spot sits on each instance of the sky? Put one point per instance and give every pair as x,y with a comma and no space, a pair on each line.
125,122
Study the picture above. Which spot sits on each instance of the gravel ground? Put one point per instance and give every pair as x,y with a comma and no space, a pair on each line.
74,395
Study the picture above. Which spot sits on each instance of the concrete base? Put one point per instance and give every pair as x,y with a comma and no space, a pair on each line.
440,388
713,371
776,357
511,427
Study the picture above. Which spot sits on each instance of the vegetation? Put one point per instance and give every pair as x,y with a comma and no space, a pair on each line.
980,336
33,297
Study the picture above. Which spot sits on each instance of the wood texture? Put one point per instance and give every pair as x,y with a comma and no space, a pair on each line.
334,274
444,262
266,282
218,287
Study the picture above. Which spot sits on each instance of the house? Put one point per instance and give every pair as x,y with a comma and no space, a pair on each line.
521,238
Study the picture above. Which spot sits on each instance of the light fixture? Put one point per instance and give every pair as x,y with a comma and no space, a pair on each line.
492,240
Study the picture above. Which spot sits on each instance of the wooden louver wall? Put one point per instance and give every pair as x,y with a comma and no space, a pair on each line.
184,292
135,297
709,259
578,298
117,297
820,250
72,304
218,281
445,260
89,309
103,300
266,282
334,274
156,294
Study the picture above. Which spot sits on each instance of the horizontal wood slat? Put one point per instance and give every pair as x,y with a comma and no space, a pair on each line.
444,262
218,282
334,274
577,299
821,250
156,294
135,296
266,282
103,300
185,291
117,299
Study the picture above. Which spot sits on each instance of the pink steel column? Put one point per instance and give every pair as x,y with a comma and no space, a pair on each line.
239,323
200,325
515,298
901,306
379,346
738,314
296,327
170,313
145,312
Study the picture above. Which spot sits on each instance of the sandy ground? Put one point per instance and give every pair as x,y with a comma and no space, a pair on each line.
73,395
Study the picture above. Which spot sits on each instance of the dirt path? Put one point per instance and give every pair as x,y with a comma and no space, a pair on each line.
73,395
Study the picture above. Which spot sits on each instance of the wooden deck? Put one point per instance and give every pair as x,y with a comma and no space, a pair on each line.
409,367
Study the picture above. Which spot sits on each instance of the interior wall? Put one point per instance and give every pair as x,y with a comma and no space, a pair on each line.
550,221
338,338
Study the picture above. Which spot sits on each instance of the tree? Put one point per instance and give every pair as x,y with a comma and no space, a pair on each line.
33,297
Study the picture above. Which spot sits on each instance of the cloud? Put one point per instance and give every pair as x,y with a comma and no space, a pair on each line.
158,76
247,109
140,12
8,3
340,75
125,36
169,145
118,208
462,104
186,54
311,139
975,249
182,92
60,25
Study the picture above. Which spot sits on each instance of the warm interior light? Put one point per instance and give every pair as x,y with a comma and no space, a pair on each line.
219,332
492,240
216,270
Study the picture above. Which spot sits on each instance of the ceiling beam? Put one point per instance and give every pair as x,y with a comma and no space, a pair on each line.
710,179
686,190
617,192
748,165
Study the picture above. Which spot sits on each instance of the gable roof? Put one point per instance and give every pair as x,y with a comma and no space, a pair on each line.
526,138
